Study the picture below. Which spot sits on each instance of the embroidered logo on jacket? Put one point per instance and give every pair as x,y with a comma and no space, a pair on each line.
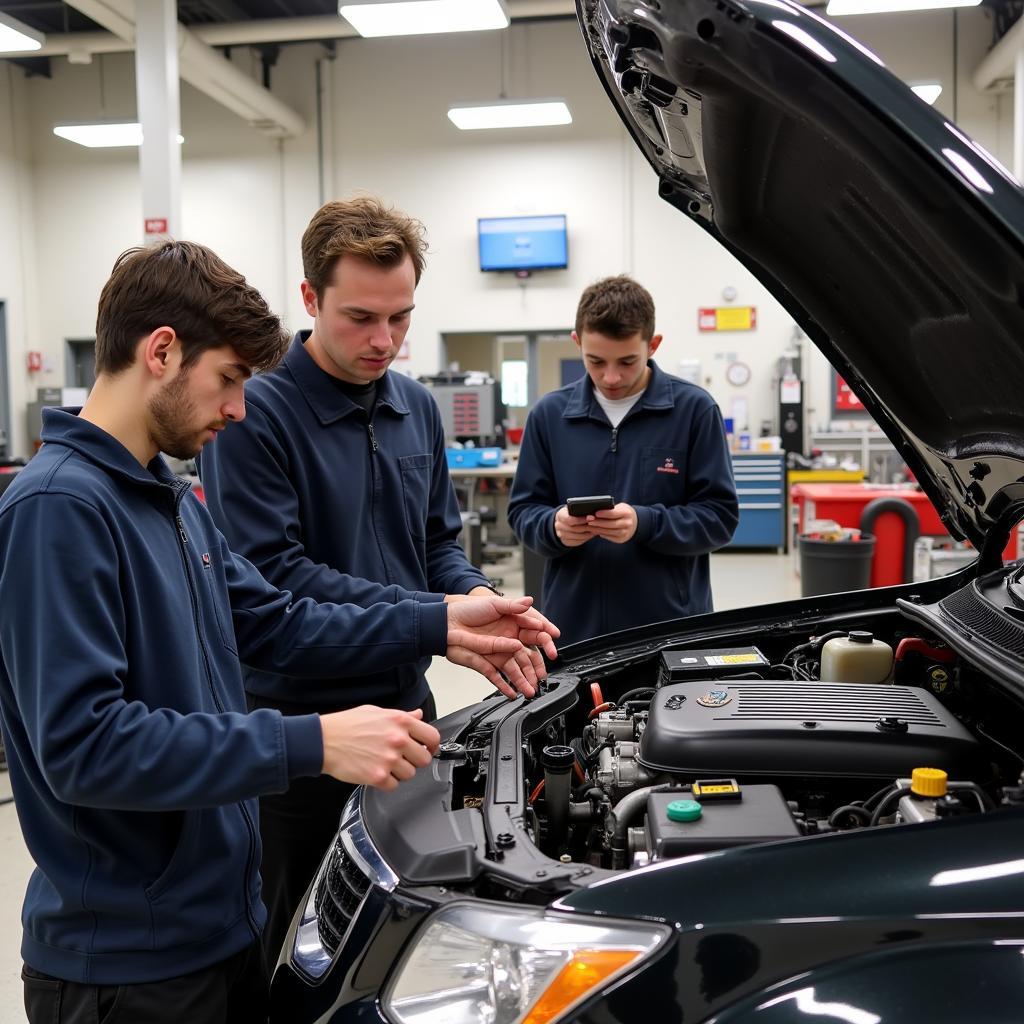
206,559
669,467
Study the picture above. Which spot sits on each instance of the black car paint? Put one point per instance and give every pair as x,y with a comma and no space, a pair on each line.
856,892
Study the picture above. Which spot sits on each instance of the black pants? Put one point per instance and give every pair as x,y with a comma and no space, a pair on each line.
296,829
234,991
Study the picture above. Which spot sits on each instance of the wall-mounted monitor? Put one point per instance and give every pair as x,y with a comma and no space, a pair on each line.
523,243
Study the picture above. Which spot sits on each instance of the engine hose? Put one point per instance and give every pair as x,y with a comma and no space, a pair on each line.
638,694
911,527
887,806
987,803
590,759
872,801
588,792
815,643
623,814
862,815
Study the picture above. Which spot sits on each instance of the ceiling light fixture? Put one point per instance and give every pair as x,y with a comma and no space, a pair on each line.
510,114
15,36
928,91
840,7
103,135
422,17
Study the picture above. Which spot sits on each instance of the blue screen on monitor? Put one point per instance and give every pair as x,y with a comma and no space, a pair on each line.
523,243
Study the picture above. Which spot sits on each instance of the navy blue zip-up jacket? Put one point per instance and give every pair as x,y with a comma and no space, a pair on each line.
668,459
133,763
333,506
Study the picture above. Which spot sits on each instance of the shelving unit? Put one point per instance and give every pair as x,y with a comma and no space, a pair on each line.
870,448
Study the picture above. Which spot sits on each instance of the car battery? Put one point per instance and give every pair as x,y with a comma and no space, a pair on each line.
726,815
680,666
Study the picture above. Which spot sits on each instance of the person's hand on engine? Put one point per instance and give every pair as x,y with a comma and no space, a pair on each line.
496,635
380,747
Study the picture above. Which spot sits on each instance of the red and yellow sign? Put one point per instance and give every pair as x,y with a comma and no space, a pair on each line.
727,318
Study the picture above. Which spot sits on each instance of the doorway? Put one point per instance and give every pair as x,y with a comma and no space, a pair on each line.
80,363
528,364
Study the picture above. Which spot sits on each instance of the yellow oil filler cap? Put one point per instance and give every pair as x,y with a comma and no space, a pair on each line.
928,782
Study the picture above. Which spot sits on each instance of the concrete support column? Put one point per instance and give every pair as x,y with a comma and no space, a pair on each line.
157,89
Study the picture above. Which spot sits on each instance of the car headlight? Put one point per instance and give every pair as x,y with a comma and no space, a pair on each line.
494,964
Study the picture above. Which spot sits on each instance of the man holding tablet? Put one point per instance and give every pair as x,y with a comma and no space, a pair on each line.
624,481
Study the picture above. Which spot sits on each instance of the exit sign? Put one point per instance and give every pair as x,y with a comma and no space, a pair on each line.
156,225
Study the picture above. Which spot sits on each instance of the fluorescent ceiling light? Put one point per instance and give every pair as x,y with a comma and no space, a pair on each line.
839,7
510,114
928,91
96,136
420,17
16,37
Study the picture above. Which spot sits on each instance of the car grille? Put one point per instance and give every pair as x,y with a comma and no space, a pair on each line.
341,889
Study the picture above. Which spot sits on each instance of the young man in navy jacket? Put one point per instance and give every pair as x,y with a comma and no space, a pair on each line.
653,442
134,764
337,482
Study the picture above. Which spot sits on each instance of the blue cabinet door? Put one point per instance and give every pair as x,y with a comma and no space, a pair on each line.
760,486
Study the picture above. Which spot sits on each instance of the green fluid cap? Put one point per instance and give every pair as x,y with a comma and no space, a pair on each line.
684,810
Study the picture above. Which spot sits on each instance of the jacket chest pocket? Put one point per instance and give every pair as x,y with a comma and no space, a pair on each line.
415,473
663,476
219,599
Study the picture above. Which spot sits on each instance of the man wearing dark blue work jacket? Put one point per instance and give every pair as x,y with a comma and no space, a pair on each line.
653,442
134,764
337,483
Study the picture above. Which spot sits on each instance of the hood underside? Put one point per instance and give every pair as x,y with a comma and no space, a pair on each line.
894,241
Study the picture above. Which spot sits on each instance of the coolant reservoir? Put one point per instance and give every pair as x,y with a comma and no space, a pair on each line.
856,658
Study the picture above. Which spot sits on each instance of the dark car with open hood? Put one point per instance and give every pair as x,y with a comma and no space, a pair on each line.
707,820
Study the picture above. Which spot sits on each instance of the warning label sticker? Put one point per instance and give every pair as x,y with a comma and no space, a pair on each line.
750,658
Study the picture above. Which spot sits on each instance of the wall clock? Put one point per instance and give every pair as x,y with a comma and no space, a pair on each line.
737,374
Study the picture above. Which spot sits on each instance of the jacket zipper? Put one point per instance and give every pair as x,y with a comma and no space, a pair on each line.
615,448
250,856
374,450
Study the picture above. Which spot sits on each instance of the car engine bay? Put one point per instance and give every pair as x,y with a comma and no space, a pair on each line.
687,750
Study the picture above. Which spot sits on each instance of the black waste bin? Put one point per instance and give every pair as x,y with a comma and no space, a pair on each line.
832,566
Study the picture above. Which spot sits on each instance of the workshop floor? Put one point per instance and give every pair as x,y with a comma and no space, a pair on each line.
738,579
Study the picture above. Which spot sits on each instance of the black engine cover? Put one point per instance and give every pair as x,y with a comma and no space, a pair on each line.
782,727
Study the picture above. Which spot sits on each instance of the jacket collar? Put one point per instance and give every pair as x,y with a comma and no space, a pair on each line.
326,401
65,427
582,403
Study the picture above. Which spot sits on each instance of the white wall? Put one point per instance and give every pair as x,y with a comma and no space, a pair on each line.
386,131
17,250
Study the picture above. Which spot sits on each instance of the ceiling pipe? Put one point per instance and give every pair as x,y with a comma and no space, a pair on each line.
206,70
79,47
997,69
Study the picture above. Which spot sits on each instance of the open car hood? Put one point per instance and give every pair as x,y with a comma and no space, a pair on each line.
894,241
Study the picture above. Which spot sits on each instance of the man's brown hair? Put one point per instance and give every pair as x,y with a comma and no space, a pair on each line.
362,227
188,287
616,307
